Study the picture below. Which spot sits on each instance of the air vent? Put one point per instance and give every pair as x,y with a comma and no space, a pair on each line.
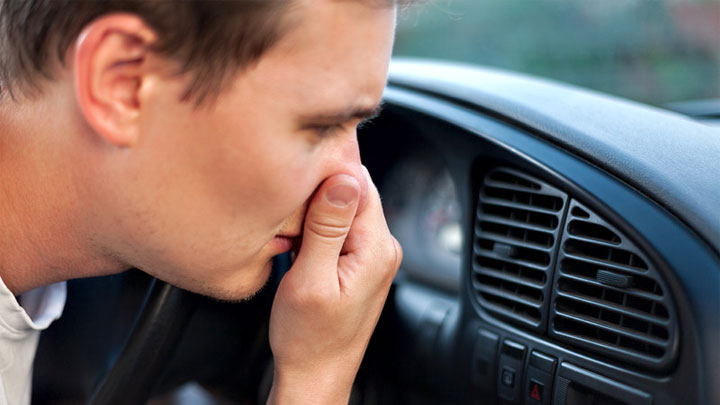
608,298
516,233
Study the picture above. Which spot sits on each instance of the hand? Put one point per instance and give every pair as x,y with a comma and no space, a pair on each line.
329,302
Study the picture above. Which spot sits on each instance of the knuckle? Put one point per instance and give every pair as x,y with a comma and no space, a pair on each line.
393,252
398,253
393,257
329,228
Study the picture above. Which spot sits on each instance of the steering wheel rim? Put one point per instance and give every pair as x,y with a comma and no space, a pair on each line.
149,347
158,328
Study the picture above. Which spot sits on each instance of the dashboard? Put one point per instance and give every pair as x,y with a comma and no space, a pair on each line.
422,209
561,246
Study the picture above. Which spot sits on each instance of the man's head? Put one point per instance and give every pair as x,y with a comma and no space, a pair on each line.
210,38
184,137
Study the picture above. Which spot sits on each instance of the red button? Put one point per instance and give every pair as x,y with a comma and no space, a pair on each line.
536,391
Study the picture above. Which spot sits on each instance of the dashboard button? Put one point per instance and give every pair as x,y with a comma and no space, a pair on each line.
581,386
540,372
508,377
536,391
513,349
485,360
543,362
510,371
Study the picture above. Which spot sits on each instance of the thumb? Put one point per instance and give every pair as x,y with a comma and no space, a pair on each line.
327,222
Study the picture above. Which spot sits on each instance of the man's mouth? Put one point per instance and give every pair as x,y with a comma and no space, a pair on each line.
287,242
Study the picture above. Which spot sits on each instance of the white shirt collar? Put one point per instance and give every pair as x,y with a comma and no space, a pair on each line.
40,307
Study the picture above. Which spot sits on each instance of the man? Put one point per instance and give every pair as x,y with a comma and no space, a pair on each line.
196,140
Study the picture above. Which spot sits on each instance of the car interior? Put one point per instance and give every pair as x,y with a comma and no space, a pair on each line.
562,246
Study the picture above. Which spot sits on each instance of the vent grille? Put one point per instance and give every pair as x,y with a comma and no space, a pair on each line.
516,234
607,296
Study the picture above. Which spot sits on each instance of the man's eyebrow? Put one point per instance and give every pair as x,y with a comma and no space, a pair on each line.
336,117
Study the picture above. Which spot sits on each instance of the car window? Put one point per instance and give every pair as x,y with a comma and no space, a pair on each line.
654,51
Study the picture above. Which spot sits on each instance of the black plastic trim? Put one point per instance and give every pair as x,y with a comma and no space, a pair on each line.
599,128
652,351
616,390
469,135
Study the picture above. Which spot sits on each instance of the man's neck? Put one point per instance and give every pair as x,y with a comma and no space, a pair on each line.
46,232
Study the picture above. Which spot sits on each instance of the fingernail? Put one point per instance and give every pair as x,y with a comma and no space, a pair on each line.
341,195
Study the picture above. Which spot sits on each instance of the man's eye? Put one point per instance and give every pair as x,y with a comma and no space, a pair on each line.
327,130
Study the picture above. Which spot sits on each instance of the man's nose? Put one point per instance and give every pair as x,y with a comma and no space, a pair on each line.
350,149
348,162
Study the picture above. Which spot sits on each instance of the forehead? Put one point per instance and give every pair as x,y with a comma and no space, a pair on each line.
333,52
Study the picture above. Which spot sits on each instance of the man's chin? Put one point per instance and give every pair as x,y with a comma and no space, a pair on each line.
235,296
231,289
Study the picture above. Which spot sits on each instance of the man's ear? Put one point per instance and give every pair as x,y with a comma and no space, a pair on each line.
110,66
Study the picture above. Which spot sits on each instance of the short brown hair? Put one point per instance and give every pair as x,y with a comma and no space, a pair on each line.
210,38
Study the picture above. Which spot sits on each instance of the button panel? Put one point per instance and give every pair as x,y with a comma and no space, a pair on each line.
499,364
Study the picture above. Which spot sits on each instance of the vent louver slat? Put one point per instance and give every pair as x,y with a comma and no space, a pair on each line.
516,234
607,296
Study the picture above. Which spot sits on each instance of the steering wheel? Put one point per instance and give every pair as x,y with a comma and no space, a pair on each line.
160,324
164,315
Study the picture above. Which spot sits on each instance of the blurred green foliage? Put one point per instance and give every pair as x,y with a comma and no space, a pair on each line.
655,51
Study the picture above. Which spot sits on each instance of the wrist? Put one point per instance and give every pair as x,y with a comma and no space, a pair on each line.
308,386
